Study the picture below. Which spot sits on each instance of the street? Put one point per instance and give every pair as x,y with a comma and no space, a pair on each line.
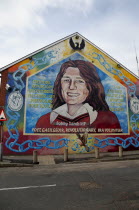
102,185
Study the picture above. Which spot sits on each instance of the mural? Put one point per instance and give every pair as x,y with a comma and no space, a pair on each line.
63,92
69,97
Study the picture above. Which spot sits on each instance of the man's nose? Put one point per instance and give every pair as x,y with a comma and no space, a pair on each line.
72,85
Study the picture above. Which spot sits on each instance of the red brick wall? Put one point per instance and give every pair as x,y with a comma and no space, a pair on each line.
3,81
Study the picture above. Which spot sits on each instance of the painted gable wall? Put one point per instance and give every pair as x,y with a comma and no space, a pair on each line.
33,123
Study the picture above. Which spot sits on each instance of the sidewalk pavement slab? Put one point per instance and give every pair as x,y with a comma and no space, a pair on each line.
9,164
104,157
27,160
46,160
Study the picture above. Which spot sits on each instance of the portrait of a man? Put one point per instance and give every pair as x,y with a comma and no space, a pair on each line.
79,101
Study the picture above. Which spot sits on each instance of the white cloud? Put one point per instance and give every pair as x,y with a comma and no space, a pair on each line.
16,14
28,25
21,15
115,34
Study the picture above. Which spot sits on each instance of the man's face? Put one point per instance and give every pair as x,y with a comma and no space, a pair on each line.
74,90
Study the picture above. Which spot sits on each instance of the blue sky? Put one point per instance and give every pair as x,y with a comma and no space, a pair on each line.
28,25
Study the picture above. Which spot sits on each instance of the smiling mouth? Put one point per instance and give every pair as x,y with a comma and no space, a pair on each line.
73,94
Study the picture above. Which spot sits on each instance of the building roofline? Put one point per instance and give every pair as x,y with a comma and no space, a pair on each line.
109,56
57,42
37,51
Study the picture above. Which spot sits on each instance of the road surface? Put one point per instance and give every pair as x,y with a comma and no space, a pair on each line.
104,185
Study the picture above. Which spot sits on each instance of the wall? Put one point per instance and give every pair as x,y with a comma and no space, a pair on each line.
101,99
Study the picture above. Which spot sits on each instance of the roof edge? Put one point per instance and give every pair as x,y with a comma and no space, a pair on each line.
110,56
57,42
37,51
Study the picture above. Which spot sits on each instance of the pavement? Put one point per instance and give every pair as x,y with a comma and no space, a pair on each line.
44,160
84,186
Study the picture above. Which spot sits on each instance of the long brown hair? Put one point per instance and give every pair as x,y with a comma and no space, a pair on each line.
96,97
